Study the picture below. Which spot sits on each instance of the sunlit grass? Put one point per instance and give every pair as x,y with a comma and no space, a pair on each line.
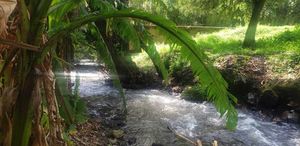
238,33
277,43
270,40
143,61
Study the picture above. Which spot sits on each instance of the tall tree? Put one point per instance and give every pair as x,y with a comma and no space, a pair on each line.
249,40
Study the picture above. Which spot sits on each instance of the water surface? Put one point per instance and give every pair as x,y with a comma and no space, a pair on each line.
154,116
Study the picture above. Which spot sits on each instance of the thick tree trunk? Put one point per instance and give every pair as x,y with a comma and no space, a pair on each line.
249,40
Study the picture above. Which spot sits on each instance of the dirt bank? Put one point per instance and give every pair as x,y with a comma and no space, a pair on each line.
262,84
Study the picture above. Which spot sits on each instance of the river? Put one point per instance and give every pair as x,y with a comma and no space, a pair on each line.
154,115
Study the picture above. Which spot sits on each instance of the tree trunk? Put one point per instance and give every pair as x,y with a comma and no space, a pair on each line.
249,40
127,70
23,114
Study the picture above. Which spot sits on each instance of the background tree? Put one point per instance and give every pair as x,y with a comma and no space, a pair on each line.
221,12
284,12
257,7
118,46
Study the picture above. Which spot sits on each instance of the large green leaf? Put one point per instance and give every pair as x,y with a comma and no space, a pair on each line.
148,45
105,55
126,31
209,76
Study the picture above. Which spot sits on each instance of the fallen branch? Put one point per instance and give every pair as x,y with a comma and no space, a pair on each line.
79,140
19,45
197,143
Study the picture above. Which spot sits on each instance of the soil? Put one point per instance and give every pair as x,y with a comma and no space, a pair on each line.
90,133
105,125
261,88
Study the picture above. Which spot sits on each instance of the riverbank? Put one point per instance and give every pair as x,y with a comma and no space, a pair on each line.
105,125
266,84
257,84
264,79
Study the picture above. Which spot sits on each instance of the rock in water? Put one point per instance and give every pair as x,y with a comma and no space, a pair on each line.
157,144
118,133
131,140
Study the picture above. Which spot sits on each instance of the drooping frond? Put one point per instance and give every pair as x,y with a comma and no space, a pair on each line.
208,75
148,45
122,27
59,9
126,31
105,56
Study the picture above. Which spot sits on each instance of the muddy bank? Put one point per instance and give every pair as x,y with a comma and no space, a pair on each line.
258,85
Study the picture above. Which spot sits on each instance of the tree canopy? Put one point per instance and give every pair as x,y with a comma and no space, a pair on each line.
221,12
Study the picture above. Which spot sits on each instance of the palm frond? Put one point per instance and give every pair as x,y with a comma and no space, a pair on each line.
60,8
105,55
209,76
149,47
126,31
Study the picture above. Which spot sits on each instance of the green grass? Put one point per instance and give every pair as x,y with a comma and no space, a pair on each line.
270,41
143,61
280,45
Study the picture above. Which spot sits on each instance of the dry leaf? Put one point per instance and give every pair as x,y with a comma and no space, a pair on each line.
6,8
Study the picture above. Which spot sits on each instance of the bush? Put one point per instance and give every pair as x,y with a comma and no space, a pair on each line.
180,71
194,93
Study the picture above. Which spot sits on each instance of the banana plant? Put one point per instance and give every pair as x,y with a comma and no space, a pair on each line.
32,79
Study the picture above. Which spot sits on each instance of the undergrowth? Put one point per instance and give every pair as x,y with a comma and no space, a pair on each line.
280,45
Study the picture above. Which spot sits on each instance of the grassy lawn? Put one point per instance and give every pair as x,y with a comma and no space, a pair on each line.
280,45
270,40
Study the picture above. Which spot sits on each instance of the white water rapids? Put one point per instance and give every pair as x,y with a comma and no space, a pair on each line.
152,113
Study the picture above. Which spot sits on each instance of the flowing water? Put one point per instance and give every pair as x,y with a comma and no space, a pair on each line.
155,115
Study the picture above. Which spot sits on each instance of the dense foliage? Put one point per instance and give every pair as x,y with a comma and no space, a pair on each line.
221,12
